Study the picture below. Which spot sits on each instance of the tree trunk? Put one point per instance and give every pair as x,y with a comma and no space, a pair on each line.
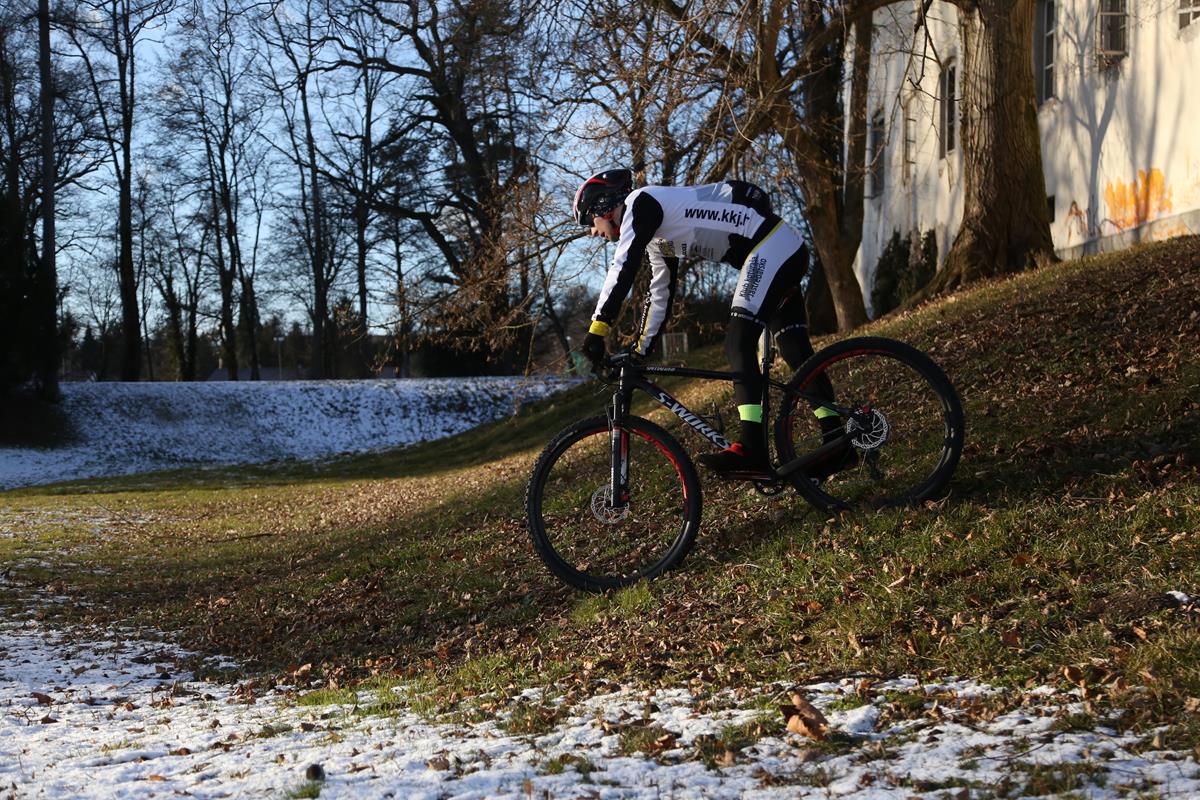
1006,222
131,326
48,363
818,303
253,324
814,142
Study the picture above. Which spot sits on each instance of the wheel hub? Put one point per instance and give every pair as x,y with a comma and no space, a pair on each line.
603,510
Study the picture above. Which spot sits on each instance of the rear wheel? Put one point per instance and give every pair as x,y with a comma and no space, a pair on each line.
594,543
879,425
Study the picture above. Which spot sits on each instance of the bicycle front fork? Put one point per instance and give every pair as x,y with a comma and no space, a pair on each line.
618,487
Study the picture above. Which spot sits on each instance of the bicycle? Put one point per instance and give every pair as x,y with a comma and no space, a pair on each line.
615,499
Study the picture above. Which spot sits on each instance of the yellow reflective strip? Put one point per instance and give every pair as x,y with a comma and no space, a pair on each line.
599,328
824,411
760,244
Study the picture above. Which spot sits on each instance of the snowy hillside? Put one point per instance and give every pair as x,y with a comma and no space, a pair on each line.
124,428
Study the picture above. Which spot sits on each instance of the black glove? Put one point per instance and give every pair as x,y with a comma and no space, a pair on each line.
593,348
630,354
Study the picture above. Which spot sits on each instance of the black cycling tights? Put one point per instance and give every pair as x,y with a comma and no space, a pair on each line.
789,325
741,346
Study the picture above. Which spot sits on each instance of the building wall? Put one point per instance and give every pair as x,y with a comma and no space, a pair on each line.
1120,140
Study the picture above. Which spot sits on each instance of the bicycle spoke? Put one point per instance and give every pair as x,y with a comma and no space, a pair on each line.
594,543
900,417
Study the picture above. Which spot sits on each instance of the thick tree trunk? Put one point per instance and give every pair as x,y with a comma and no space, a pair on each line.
1006,222
818,303
835,213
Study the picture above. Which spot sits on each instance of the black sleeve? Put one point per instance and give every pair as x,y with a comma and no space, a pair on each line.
642,220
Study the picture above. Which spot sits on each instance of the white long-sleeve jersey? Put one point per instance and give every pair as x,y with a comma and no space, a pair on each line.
715,222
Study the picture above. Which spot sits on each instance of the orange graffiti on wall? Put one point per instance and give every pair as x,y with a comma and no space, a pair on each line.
1131,204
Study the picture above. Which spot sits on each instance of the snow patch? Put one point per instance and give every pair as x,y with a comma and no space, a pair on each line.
104,715
126,428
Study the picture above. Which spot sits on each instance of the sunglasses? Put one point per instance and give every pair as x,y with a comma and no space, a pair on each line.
590,219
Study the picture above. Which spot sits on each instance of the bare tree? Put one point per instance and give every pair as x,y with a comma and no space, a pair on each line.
781,64
351,159
106,35
295,39
211,112
178,247
457,158
44,138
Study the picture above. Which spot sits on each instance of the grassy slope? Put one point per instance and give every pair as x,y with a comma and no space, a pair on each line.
1076,506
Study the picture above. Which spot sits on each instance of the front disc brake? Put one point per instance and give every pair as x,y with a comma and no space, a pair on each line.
603,510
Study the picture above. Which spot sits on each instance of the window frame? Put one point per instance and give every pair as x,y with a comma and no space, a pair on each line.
948,108
1189,12
1045,33
909,141
876,149
1118,11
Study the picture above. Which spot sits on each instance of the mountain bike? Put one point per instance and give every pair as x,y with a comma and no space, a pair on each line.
615,499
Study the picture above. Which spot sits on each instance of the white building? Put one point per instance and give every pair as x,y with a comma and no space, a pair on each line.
1118,109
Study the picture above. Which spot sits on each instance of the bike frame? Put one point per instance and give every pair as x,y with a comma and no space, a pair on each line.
632,378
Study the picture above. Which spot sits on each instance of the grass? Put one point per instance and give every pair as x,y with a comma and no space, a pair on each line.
309,789
1075,507
561,763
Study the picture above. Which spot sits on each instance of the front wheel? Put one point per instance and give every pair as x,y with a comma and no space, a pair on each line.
869,422
593,540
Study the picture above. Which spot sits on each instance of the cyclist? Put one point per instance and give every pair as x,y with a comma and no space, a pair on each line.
732,222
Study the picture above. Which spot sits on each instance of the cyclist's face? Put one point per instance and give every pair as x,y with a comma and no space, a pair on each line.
608,225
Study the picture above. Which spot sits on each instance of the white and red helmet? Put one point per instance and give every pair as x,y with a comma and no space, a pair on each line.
600,194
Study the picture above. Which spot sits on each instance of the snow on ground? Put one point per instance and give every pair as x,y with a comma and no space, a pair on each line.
98,714
125,428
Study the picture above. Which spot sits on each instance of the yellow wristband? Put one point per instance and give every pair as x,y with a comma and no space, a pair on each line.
599,328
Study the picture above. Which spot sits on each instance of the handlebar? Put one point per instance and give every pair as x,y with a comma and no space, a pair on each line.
608,369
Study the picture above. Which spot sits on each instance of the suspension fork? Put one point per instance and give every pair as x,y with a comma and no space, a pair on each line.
618,496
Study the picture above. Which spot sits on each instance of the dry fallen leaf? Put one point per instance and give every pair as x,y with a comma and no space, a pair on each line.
438,763
1073,674
804,718
43,699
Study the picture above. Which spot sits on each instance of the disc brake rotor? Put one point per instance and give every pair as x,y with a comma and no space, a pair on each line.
602,509
868,429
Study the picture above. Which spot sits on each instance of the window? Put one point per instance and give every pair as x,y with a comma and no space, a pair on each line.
875,167
1189,12
948,108
1043,50
1113,30
910,139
